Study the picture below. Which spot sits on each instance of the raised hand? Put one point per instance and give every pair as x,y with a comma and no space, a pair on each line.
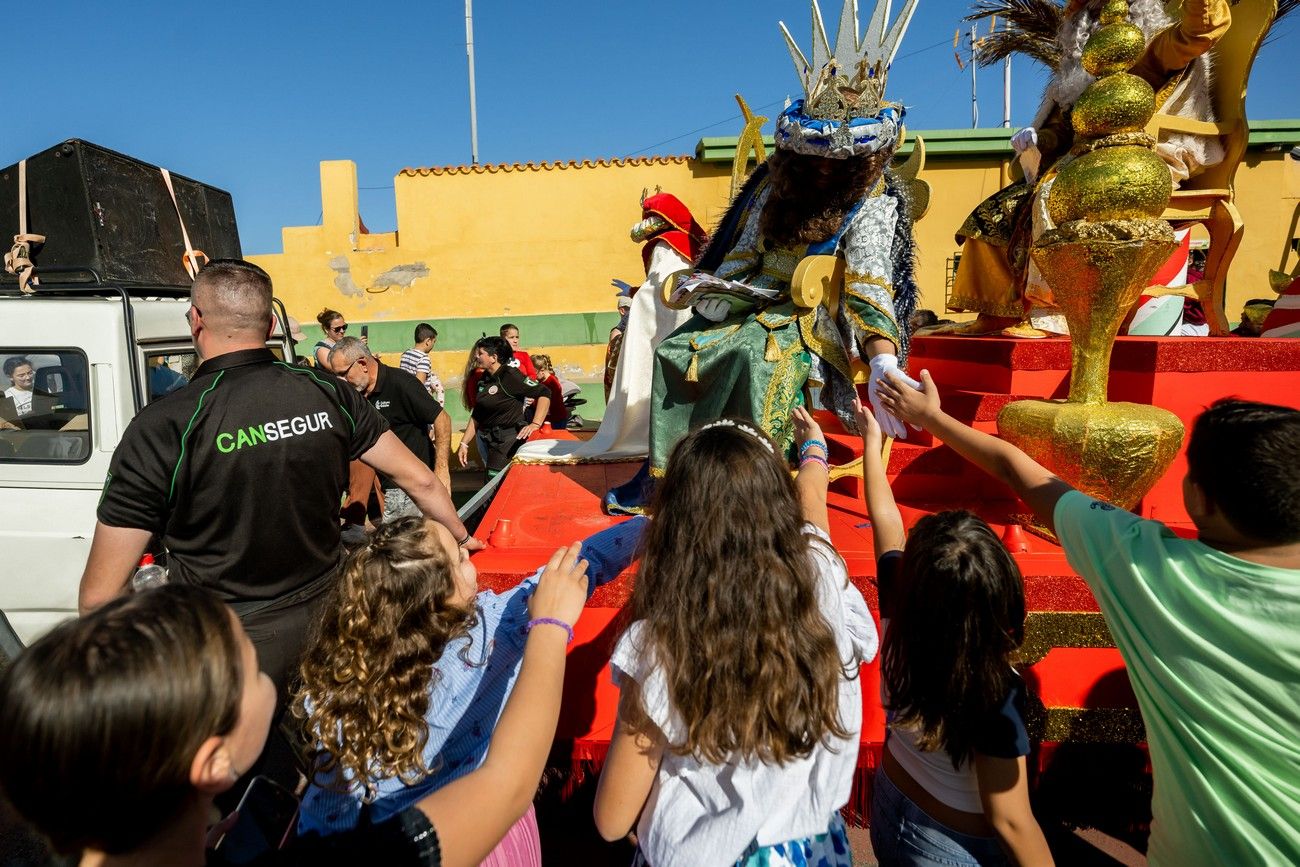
883,365
562,588
873,439
907,403
805,426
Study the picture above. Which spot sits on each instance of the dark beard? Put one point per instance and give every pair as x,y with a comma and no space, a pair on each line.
811,195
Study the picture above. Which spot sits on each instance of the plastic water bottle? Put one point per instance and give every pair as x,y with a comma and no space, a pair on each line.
148,576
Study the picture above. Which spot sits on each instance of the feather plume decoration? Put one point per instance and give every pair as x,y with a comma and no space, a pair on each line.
1032,25
1030,29
1284,8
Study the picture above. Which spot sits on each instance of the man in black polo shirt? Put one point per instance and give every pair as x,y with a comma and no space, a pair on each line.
239,474
404,403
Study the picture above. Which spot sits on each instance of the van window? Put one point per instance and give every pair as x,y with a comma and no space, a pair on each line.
168,370
44,406
171,368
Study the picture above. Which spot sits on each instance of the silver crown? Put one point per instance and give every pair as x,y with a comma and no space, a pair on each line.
850,82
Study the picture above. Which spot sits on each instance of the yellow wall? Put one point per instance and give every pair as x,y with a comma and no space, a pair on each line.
483,242
1268,196
956,187
503,241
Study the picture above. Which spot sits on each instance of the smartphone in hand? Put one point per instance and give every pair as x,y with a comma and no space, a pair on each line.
268,813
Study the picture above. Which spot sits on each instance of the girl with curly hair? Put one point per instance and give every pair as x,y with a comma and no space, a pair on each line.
740,705
409,670
953,783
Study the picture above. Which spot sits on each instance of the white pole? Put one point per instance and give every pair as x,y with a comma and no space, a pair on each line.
974,103
473,108
1006,92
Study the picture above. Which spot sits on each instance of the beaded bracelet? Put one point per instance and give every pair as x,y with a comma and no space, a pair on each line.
815,459
550,621
803,449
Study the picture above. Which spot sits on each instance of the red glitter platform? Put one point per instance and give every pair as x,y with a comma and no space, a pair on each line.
1070,664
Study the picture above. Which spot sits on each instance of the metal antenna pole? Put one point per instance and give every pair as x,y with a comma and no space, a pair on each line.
1006,92
974,102
473,108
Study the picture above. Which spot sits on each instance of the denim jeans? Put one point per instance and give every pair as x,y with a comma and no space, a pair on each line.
903,835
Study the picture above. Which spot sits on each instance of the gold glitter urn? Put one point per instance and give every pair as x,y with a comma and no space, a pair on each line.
1106,202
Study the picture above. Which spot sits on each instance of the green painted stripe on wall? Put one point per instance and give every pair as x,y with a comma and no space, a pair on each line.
548,329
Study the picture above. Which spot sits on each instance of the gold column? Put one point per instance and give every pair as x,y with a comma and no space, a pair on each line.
1106,202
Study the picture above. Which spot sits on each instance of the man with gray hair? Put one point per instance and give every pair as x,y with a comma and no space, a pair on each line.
408,408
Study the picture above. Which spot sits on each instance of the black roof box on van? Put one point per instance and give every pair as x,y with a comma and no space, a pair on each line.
112,214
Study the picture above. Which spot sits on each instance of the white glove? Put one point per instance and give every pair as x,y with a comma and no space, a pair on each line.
881,365
713,309
1024,140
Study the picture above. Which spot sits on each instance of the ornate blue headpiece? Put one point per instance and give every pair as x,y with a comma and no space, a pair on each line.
837,139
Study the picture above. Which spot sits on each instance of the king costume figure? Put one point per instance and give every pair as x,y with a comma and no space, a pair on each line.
749,351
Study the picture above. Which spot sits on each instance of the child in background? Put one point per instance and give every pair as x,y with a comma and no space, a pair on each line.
405,680
521,360
558,414
1207,626
740,703
122,726
415,361
953,786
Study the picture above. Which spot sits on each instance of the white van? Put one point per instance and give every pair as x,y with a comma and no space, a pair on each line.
97,353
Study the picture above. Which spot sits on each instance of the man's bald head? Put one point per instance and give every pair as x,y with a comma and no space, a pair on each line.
234,298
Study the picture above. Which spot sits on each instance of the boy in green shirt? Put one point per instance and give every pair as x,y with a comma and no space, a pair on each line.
1209,628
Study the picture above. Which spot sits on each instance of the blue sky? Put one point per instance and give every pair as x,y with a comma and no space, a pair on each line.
250,96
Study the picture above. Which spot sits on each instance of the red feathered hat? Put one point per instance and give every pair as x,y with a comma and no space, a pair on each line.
665,218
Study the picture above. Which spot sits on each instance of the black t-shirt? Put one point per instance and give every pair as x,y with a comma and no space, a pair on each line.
1001,733
500,397
408,408
240,473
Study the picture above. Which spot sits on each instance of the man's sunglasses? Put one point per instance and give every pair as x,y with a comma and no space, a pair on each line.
343,374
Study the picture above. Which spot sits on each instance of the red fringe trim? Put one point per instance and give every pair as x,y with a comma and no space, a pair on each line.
857,812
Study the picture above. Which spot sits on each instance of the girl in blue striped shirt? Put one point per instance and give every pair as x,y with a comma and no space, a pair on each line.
410,669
